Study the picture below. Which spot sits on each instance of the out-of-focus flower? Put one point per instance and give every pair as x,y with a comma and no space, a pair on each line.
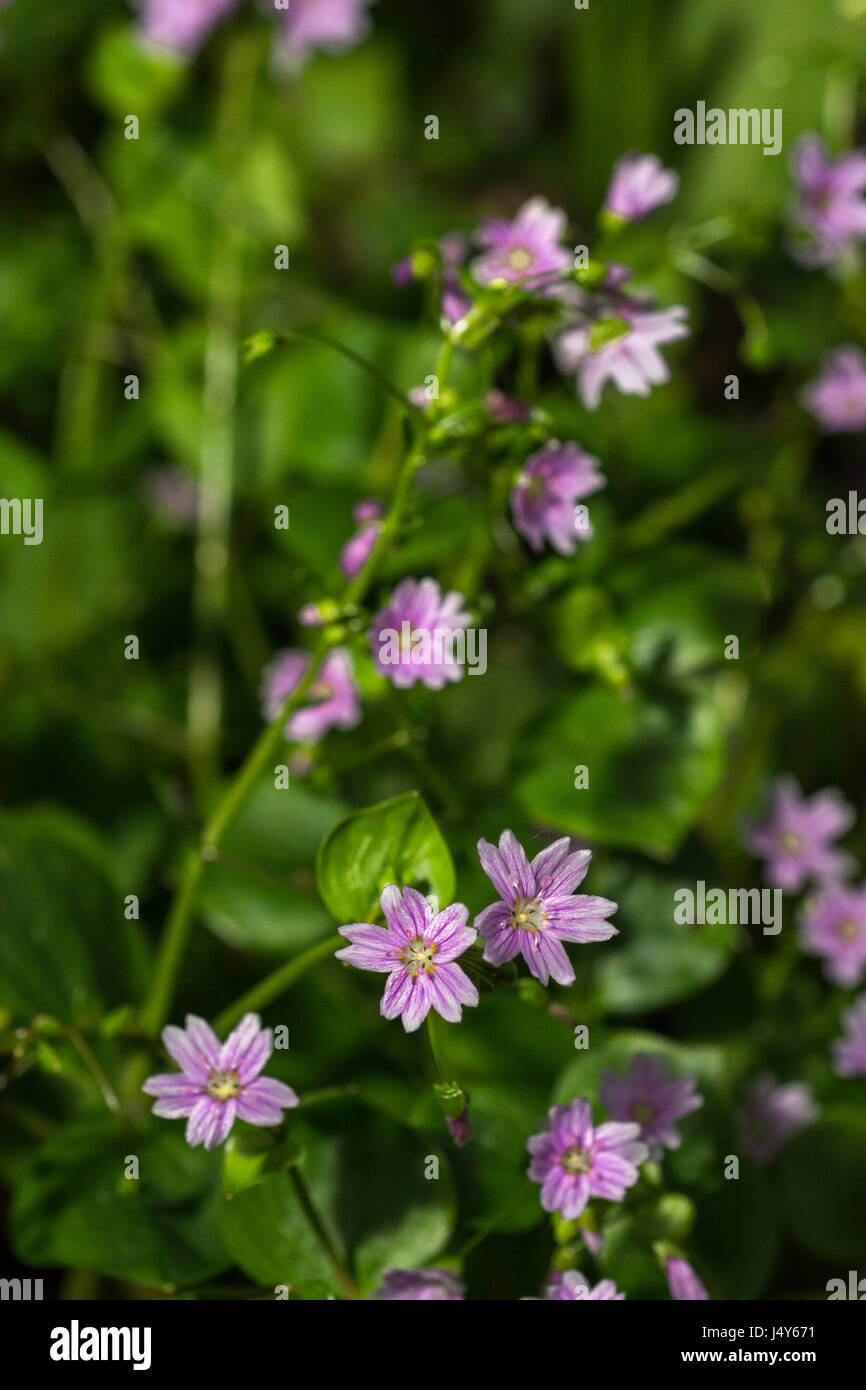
455,301
182,24
539,907
652,1097
418,950
849,1052
523,249
334,693
833,926
574,1161
831,208
356,552
639,184
771,1115
419,1285
837,396
173,496
544,496
506,410
570,1286
621,345
218,1082
796,839
414,636
684,1284
331,25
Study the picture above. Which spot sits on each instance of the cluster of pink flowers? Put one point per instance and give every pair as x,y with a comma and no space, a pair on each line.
830,221
797,842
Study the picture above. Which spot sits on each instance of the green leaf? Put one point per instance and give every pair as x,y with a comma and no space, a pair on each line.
65,946
397,841
653,764
366,1179
76,1206
822,1181
260,894
654,961
736,1238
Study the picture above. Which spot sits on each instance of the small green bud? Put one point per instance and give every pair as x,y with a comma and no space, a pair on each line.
258,345
451,1097
423,263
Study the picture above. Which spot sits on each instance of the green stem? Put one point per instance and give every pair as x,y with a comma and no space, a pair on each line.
275,984
306,1201
489,1226
217,445
310,336
90,1060
435,1048
179,923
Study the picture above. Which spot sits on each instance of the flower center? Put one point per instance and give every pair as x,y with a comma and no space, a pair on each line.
519,258
320,690
848,930
536,488
642,1113
528,914
574,1160
790,842
223,1085
417,956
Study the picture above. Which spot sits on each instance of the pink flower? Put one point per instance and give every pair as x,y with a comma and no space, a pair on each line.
831,208
849,1052
334,692
333,25
218,1082
638,185
837,396
544,496
419,1286
574,1161
356,552
183,24
570,1286
771,1115
525,248
652,1097
833,925
684,1284
418,951
506,410
419,634
622,346
539,908
797,837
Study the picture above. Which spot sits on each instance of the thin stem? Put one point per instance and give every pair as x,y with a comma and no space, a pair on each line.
435,1048
306,1201
179,922
217,444
275,984
309,335
489,1226
90,1060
